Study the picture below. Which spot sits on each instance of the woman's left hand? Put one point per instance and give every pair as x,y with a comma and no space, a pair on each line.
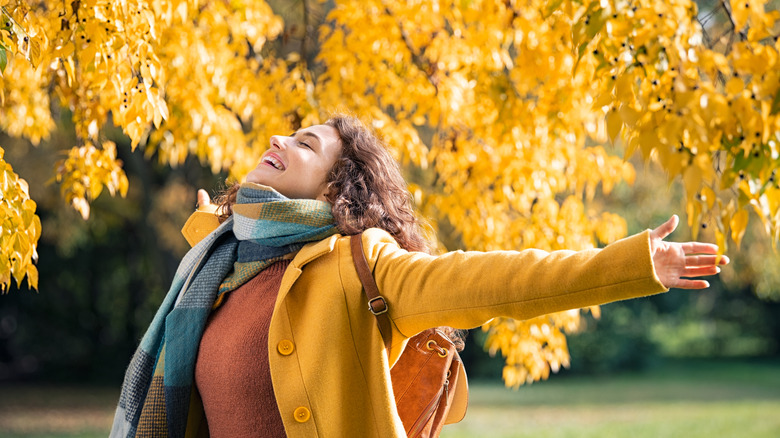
675,260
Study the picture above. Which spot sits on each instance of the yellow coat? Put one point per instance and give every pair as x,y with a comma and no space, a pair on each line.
330,375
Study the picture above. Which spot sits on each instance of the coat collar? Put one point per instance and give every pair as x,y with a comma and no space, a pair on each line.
312,251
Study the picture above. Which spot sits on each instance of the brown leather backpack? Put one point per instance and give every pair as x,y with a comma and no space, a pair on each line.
429,381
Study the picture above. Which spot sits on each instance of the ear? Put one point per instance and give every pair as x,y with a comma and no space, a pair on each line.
327,194
324,194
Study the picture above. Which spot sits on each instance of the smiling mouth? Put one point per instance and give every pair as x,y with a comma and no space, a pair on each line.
274,162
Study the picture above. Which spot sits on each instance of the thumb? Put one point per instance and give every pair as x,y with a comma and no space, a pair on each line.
203,198
666,228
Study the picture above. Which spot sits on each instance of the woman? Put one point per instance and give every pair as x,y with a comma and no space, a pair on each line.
290,348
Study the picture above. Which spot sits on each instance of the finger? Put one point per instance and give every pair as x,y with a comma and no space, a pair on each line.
700,261
691,284
705,271
203,198
699,248
666,228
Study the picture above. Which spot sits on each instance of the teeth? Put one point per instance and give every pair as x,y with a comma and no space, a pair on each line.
274,162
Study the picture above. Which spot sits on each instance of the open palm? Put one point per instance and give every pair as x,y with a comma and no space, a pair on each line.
677,263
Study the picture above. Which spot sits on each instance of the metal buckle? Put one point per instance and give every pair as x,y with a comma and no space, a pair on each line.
371,308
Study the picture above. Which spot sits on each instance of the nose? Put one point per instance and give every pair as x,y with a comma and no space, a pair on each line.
277,141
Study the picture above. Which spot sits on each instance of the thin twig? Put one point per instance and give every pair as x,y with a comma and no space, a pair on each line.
706,17
704,33
719,37
731,42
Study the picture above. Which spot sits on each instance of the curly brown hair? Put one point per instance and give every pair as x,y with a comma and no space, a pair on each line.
367,190
365,187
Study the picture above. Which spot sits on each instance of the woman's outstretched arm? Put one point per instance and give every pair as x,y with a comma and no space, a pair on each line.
465,289
675,260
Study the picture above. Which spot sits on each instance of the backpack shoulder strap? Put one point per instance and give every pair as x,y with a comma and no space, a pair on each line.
376,303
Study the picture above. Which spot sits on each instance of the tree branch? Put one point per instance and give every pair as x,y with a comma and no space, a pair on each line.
424,66
305,30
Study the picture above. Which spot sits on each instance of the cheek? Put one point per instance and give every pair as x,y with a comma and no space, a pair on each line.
323,175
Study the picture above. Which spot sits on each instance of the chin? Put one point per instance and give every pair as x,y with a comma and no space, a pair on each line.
253,177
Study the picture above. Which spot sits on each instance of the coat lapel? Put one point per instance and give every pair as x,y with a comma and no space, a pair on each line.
307,254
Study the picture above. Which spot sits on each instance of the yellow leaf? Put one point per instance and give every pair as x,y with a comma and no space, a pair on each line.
740,10
624,88
708,196
32,276
735,86
633,145
692,178
614,124
720,240
603,100
629,115
693,212
738,226
648,140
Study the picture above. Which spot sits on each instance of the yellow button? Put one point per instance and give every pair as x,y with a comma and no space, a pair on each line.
286,348
302,414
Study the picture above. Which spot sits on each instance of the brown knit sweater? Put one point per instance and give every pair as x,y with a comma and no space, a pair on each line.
231,372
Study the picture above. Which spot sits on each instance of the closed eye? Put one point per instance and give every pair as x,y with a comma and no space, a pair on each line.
317,140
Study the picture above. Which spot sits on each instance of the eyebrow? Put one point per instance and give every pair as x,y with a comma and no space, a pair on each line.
308,134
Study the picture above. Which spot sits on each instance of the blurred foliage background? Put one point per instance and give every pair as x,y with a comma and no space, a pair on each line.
532,169
101,281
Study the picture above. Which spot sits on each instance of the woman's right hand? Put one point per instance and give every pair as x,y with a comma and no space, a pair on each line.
204,202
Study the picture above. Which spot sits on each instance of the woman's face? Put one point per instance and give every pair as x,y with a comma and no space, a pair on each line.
297,166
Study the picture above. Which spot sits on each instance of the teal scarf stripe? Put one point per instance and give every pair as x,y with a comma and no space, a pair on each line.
265,226
300,211
287,233
150,342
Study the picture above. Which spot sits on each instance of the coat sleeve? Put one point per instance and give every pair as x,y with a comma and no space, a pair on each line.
466,289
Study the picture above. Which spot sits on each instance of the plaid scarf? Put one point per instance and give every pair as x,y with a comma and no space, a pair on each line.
264,227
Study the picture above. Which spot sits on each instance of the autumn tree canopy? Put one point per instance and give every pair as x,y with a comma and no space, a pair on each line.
500,111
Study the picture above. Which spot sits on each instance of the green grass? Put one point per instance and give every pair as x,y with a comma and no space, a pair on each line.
684,399
56,411
689,399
